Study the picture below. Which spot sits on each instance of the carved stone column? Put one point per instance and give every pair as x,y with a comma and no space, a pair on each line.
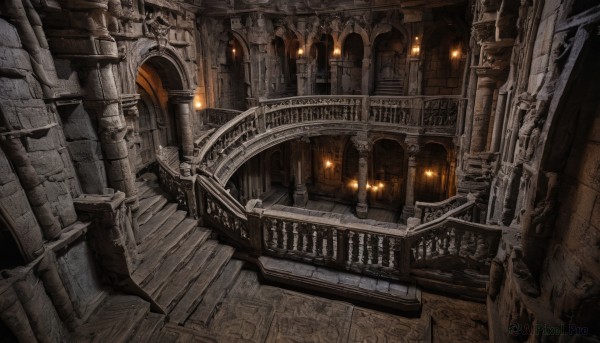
300,191
409,203
182,100
336,85
484,99
301,75
366,76
363,146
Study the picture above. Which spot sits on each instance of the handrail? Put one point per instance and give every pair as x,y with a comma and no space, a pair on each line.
437,114
428,211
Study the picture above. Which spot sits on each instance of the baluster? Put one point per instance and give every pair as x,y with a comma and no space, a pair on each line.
434,250
330,239
270,232
290,235
309,239
301,232
424,248
366,248
355,246
279,226
375,246
458,241
319,251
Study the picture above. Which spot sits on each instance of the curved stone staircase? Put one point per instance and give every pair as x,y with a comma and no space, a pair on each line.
184,271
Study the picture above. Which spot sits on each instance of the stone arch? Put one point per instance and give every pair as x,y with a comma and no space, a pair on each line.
389,67
444,62
431,182
351,64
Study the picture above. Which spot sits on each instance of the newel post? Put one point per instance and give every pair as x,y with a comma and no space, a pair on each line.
255,232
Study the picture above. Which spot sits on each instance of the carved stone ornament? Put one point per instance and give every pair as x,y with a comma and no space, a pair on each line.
158,27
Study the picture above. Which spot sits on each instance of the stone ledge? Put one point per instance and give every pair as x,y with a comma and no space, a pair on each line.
397,296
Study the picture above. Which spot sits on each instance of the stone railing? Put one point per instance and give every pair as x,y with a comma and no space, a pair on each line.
431,253
427,212
222,211
276,120
453,242
217,117
180,187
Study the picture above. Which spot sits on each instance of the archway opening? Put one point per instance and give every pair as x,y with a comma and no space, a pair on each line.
390,64
320,53
292,56
156,124
431,182
444,62
279,76
232,81
352,56
388,174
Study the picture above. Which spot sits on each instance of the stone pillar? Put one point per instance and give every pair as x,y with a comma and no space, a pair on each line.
409,202
182,100
415,76
366,76
498,131
336,85
484,99
301,75
103,100
363,145
300,191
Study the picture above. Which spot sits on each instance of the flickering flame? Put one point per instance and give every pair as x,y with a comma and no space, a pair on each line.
428,173
300,52
455,53
336,52
354,184
198,105
417,38
233,50
374,188
381,185
328,164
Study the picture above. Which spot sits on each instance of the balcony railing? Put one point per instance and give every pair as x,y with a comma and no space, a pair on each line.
276,118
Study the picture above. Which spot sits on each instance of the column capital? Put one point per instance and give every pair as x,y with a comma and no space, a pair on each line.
413,146
362,142
181,96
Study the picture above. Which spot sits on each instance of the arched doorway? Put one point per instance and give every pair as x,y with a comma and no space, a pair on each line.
232,82
278,68
292,56
431,181
388,173
444,62
156,124
352,56
390,74
320,53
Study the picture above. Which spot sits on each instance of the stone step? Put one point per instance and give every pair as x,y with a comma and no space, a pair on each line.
205,265
159,218
146,203
370,290
186,305
163,245
162,232
149,328
115,320
156,207
214,295
154,282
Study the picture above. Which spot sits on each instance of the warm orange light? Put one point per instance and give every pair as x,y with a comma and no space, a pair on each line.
300,52
233,50
198,105
375,188
336,52
354,184
416,50
368,186
455,53
328,164
417,38
428,173
381,185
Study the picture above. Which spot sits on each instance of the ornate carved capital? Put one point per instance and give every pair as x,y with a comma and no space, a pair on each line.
413,146
362,143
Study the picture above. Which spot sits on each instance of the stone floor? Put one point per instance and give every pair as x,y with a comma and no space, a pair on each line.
255,312
279,196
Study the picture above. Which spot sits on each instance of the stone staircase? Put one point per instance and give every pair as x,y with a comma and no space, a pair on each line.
389,88
185,271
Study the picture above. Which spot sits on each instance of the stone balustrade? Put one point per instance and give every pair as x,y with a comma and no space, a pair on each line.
178,183
276,120
427,212
447,244
217,117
